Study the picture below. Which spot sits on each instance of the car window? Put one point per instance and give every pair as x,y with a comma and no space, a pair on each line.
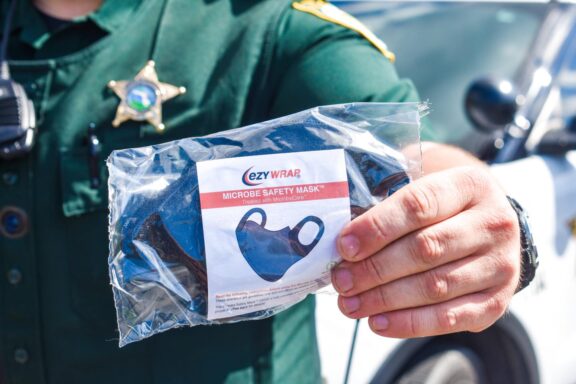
443,47
567,80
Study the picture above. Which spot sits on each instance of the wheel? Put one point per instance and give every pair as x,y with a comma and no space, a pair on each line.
451,366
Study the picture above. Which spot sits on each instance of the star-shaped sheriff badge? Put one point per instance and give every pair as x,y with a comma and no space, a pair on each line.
141,99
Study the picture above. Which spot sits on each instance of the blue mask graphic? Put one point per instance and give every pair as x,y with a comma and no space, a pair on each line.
272,253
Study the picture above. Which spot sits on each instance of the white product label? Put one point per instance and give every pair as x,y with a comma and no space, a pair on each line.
270,226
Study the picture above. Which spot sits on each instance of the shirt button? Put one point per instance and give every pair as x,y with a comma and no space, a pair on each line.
14,276
21,356
13,222
9,178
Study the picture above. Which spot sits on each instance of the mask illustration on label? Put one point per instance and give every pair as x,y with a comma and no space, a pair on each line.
272,253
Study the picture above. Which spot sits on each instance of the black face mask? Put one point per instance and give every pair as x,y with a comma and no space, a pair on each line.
272,253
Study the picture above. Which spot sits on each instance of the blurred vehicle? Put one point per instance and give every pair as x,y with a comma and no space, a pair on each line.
501,80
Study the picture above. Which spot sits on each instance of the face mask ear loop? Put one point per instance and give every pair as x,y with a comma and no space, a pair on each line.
303,249
247,215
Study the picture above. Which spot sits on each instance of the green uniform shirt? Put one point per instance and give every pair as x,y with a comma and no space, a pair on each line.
242,61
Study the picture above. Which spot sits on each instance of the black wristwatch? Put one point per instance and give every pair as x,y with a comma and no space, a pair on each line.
529,251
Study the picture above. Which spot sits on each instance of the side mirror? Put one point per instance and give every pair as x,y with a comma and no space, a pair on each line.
491,104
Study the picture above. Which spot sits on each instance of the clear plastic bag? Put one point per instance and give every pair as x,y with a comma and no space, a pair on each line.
161,229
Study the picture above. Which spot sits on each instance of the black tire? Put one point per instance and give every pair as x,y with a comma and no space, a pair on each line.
450,366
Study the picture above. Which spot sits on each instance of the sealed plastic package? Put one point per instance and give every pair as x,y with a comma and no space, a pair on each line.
242,224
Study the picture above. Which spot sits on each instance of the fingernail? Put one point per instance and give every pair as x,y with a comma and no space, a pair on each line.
380,323
349,245
343,280
351,304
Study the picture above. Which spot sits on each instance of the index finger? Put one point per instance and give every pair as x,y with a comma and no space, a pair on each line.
424,202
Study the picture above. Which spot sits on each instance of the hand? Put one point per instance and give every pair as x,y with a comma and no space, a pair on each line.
441,255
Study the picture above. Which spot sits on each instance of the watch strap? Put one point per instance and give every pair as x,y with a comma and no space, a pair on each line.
528,249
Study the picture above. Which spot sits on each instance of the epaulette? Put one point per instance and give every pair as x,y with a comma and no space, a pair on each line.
333,14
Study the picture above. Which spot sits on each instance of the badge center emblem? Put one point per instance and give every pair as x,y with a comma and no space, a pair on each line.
141,98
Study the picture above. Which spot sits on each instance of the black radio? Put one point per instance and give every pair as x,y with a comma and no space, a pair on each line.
17,116
17,120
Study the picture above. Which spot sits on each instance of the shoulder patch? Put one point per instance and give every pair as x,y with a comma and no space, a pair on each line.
333,14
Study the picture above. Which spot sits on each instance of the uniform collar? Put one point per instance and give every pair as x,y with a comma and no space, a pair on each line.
113,13
109,17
